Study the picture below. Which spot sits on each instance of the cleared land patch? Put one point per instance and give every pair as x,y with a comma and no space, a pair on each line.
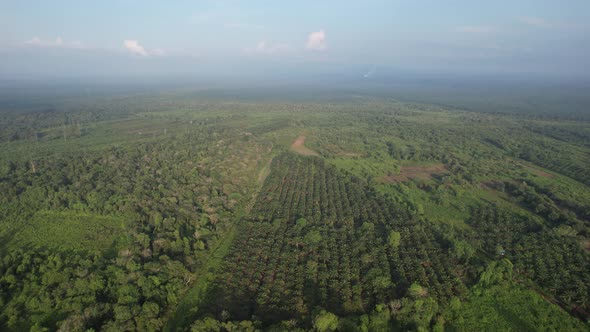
416,172
299,147
541,173
70,231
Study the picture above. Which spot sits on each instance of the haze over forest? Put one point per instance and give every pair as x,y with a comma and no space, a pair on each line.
292,40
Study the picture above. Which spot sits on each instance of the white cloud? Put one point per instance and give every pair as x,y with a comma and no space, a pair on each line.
316,41
270,48
370,73
534,21
76,44
264,47
538,22
242,26
136,48
476,29
57,42
158,52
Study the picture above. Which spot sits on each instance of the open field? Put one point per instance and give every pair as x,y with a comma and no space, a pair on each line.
75,231
416,172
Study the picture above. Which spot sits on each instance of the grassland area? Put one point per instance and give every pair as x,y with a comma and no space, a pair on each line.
68,231
181,212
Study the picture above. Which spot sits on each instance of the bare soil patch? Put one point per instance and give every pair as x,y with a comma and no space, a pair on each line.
416,172
540,173
299,147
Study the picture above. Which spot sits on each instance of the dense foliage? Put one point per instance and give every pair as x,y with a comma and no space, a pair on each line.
177,212
318,238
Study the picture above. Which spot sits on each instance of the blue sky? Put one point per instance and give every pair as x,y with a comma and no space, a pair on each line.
135,37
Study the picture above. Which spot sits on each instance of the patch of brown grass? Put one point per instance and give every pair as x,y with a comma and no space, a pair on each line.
299,147
416,172
540,173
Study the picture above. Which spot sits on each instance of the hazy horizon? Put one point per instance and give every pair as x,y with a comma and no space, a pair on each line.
299,41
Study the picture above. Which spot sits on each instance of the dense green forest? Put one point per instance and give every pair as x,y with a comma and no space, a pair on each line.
179,211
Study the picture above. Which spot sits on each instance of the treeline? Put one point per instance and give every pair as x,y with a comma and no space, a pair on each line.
556,155
544,205
555,262
177,196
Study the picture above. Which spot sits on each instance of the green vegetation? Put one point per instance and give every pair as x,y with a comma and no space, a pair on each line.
183,212
65,231
510,308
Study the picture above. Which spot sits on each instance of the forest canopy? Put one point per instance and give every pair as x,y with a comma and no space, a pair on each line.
182,212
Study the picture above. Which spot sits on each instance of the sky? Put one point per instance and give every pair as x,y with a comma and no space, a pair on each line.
262,38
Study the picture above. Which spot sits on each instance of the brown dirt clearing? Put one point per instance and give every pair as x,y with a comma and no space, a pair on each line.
299,147
416,172
540,173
